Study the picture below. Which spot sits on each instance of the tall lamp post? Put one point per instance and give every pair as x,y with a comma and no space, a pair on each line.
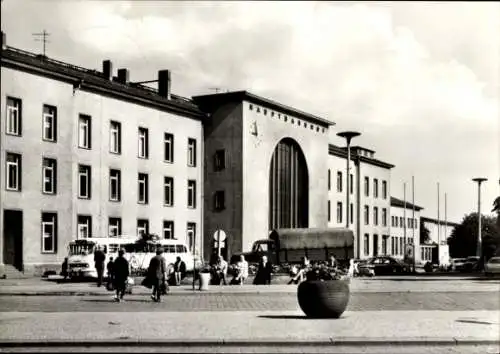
479,180
348,135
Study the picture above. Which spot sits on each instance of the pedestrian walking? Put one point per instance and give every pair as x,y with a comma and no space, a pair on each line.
121,272
242,271
157,275
109,268
264,272
221,271
99,259
64,268
179,270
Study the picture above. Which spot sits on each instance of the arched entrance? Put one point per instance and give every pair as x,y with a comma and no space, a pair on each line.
288,187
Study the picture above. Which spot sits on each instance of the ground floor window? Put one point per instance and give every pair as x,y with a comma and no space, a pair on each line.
49,232
367,244
191,234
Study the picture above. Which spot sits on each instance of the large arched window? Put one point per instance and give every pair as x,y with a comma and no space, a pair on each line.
288,187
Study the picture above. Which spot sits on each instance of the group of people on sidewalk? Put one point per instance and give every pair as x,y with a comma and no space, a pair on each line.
241,271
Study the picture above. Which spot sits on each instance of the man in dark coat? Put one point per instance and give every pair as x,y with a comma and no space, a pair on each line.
99,259
157,274
121,272
264,272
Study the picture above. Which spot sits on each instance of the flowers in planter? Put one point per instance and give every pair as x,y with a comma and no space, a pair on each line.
323,271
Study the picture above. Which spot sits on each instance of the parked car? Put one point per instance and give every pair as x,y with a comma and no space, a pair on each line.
385,265
492,266
457,264
471,264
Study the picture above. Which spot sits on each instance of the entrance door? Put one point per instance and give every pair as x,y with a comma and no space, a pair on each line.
375,245
13,238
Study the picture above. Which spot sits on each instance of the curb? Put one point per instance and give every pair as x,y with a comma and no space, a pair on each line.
256,342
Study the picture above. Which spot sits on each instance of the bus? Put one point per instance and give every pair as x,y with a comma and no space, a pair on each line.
137,252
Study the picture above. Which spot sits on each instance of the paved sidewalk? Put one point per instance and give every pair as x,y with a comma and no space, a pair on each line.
204,328
380,284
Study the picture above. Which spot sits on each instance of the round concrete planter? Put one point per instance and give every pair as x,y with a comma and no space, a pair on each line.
204,281
323,299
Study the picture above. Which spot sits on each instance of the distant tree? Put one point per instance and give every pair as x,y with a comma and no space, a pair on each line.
463,238
425,234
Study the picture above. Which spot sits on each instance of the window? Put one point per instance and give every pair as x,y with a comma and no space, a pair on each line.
84,178
143,143
219,200
169,147
367,215
115,185
49,123
191,194
375,216
339,181
384,244
392,221
410,223
13,120
49,176
115,137
13,171
115,227
401,221
191,234
84,227
220,160
329,181
384,217
168,188
375,188
329,211
339,212
415,223
351,213
367,244
191,152
49,232
367,186
168,229
401,250
142,227
351,183
143,188
384,189
84,132
396,221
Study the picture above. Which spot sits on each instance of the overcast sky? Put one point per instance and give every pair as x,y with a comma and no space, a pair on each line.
420,81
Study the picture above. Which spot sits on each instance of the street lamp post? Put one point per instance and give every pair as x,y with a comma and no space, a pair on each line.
348,135
479,180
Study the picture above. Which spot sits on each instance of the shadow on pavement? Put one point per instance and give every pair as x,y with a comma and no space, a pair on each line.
474,322
297,317
475,279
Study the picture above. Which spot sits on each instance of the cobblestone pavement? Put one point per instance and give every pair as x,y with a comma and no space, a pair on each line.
398,301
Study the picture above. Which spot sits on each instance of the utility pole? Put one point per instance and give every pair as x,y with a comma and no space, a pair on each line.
42,37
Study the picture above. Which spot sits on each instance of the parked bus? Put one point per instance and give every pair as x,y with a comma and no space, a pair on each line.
138,253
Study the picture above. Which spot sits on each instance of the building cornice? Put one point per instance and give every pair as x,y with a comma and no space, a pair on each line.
395,202
342,152
440,222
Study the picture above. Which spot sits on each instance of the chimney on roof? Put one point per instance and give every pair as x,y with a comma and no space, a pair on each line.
4,40
107,69
123,76
164,83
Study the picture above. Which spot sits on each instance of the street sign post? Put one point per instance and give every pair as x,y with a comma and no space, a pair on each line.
219,237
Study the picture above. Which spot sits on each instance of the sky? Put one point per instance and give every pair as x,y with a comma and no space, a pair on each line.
419,80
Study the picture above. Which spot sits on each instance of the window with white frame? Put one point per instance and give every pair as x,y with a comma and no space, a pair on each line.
84,131
329,211
115,137
13,120
191,202
84,226
384,189
115,185
367,244
220,160
49,232
142,227
367,214
169,147
384,217
168,229
339,212
84,181
142,197
191,152
13,168
49,123
375,188
168,188
339,181
49,176
367,186
375,215
191,234
114,227
143,143
219,200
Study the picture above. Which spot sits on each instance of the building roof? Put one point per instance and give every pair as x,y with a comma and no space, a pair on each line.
342,152
212,101
401,204
313,238
95,81
435,221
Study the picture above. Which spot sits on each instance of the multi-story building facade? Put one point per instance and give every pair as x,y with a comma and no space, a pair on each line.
405,228
85,154
439,232
369,187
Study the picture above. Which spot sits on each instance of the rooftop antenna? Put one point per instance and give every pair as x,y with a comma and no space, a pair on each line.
42,37
216,89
